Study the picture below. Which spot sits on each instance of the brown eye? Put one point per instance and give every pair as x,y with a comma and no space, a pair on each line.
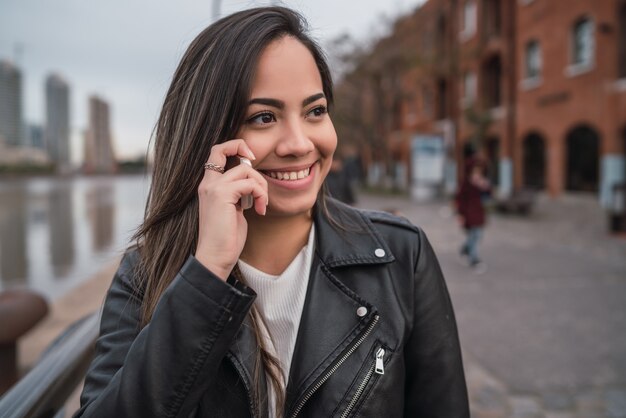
318,111
263,118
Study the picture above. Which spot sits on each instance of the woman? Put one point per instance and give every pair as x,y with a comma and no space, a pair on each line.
351,317
475,187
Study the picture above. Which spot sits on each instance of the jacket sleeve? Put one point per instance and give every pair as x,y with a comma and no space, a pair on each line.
435,381
163,369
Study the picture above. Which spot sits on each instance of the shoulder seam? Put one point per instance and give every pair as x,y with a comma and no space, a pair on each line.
387,218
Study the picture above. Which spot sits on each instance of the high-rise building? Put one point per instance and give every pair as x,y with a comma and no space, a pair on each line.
99,156
10,104
57,130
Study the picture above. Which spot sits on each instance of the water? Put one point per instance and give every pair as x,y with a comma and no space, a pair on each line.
57,232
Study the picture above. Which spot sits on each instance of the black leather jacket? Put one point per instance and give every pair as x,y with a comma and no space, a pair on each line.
377,336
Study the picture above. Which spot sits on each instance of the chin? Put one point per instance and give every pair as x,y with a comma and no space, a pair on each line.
293,207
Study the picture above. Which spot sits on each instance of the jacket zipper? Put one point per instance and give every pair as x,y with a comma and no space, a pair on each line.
324,378
379,368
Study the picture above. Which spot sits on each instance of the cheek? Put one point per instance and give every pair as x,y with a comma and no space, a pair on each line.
258,144
328,140
327,146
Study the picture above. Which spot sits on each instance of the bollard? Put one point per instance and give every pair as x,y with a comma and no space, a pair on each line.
20,311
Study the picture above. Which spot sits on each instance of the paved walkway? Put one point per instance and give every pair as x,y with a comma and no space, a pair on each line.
544,328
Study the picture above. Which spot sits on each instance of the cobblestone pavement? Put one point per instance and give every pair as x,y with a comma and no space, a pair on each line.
544,328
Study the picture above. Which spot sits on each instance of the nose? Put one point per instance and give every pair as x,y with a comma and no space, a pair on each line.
295,140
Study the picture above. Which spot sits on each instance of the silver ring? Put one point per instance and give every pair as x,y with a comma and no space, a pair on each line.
214,167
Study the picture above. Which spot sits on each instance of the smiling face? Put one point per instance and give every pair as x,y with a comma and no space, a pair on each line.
288,127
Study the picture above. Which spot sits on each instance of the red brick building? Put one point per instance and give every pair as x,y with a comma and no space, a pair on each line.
571,95
540,85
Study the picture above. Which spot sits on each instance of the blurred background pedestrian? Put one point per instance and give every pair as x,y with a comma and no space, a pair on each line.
474,190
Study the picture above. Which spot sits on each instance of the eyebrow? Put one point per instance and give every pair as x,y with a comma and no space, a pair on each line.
279,104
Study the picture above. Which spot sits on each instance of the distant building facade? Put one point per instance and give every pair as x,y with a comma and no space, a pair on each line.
99,156
571,96
10,104
539,85
57,127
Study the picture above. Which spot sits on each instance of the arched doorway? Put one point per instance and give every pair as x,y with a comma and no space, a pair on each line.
582,164
534,161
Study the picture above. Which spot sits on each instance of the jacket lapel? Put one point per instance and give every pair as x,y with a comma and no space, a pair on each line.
333,317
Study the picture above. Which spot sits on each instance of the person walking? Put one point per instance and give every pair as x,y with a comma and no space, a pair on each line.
247,291
470,198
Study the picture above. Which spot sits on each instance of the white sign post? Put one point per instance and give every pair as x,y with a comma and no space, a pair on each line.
427,166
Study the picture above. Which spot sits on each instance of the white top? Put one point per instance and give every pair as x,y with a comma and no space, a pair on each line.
280,300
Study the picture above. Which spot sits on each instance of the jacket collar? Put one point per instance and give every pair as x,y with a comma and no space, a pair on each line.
348,238
330,323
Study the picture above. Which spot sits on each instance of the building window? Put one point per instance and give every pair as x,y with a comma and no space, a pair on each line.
621,70
469,87
582,42
533,60
491,79
442,31
442,99
468,19
491,13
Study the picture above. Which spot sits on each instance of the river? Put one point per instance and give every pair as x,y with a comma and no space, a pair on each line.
57,232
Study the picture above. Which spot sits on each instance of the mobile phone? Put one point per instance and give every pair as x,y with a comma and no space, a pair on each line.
246,201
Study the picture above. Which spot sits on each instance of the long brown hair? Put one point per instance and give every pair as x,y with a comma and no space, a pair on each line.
205,105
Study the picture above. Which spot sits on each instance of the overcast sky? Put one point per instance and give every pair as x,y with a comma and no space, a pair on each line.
126,50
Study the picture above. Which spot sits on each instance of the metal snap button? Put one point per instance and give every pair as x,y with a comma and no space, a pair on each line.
362,311
379,252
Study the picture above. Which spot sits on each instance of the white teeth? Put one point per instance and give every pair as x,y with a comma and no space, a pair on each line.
290,175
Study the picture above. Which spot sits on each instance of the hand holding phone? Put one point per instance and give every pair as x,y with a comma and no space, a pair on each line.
222,196
246,201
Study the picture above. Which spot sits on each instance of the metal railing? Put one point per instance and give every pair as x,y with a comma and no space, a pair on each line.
44,390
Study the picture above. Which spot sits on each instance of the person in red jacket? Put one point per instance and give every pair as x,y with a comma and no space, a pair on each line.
469,204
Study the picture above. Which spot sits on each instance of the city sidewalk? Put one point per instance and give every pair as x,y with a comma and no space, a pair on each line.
544,328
